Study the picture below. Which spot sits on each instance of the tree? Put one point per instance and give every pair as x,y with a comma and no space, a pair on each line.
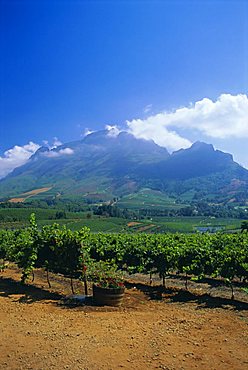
244,226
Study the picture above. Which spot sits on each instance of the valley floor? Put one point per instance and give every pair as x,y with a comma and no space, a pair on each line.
38,332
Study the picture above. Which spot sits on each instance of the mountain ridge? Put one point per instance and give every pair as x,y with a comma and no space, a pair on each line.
119,164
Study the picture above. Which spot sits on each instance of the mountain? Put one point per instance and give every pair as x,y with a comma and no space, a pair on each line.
199,160
115,165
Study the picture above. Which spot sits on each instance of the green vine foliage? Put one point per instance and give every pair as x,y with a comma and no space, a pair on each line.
61,250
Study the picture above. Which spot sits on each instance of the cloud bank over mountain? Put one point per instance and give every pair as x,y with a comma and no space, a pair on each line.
16,156
19,155
56,154
224,118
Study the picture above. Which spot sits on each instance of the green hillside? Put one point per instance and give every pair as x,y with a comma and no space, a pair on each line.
139,173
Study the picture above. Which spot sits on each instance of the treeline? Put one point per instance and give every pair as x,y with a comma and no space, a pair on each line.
200,209
21,216
68,205
60,250
111,209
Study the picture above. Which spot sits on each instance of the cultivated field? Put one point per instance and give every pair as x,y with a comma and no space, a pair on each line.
29,194
19,217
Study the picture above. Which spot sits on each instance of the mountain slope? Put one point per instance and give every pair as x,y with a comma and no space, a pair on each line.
199,160
117,165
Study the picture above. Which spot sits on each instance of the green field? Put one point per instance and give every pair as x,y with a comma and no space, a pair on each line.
19,217
192,224
108,224
148,198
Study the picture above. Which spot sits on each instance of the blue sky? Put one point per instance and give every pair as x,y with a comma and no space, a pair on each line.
69,66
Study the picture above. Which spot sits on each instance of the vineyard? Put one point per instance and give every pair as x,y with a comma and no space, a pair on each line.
58,249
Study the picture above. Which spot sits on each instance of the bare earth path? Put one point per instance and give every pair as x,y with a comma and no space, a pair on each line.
37,332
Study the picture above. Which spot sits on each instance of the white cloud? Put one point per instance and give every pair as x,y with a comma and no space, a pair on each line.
227,117
15,157
153,128
148,108
113,131
55,154
56,143
87,132
66,151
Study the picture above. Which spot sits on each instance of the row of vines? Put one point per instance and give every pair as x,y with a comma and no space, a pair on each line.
60,250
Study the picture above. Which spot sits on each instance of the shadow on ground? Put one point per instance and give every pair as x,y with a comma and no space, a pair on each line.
180,295
29,293
213,282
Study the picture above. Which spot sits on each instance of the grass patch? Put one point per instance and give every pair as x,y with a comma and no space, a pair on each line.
148,198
